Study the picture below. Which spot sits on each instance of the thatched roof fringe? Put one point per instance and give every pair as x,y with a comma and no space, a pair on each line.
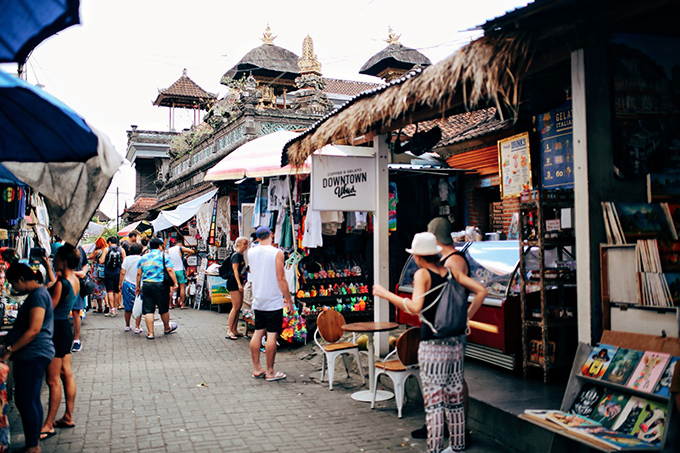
488,68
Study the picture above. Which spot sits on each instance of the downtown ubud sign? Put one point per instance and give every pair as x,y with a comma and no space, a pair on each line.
343,183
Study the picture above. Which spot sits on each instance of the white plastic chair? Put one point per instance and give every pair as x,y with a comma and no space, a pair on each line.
399,369
329,326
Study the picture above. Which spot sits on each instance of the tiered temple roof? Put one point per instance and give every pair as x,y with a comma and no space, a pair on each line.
184,93
394,60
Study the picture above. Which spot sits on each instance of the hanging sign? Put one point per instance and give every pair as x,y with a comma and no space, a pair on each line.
514,165
213,223
343,183
557,147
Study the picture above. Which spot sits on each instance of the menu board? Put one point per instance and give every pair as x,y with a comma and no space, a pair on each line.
514,165
557,147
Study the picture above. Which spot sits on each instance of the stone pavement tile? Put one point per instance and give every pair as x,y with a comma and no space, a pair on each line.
193,391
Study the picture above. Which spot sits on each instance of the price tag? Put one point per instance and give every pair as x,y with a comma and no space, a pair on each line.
552,225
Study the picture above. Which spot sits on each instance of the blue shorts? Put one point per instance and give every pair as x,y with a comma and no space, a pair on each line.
79,304
128,295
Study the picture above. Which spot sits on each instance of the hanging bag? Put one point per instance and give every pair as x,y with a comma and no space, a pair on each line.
450,319
167,280
137,307
86,285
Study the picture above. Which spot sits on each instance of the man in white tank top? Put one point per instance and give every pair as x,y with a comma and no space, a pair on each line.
270,289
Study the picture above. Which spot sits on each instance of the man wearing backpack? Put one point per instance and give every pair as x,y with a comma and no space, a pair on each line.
112,257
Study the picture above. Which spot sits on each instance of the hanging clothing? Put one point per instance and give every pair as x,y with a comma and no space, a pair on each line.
290,272
392,207
331,222
286,231
312,237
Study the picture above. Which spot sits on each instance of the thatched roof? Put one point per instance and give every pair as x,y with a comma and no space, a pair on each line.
488,70
266,60
395,56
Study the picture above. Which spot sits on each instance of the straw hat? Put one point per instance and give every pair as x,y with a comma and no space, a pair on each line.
424,244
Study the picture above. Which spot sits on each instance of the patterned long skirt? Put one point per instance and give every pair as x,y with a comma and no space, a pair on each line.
441,374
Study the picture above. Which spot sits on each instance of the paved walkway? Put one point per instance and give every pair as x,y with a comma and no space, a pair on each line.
193,391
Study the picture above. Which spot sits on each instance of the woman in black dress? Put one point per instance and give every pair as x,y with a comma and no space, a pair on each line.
235,286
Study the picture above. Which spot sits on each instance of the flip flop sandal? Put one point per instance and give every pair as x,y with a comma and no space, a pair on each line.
47,435
148,337
277,377
259,376
62,424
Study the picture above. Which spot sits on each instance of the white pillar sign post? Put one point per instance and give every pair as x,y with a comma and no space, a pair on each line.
358,181
381,246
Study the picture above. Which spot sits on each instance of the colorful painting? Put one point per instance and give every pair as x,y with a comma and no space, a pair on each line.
218,290
625,423
663,187
664,384
650,423
649,370
587,401
598,361
609,408
570,420
645,221
618,440
622,366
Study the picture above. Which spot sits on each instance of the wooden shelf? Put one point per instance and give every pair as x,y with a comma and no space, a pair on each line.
552,291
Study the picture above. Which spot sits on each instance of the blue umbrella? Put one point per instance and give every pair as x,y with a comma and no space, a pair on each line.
46,145
37,127
26,23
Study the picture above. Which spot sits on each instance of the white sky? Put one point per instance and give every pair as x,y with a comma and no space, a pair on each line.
108,69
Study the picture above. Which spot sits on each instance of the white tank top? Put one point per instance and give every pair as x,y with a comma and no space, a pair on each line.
266,293
176,258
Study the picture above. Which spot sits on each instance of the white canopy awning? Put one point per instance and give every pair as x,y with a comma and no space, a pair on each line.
182,213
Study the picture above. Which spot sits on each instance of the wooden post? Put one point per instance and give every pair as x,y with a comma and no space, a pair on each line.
381,255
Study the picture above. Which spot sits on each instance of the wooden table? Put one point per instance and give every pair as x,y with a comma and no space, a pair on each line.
370,328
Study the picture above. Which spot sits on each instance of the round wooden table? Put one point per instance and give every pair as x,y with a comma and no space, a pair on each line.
370,328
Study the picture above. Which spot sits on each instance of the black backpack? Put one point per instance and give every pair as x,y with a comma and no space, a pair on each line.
451,316
114,258
226,269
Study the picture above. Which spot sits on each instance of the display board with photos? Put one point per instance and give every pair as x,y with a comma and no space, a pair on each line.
618,397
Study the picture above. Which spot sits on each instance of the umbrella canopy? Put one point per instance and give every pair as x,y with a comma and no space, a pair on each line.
46,145
261,158
26,23
182,213
94,229
140,225
37,127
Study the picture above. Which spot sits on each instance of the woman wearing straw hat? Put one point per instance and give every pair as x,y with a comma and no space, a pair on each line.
440,359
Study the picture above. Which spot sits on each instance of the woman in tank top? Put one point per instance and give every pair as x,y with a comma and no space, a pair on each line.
440,359
59,372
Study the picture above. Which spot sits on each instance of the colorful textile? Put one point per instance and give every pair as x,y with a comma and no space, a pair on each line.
99,288
151,265
441,374
392,207
4,409
294,327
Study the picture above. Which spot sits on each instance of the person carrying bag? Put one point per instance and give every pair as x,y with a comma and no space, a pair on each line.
440,353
